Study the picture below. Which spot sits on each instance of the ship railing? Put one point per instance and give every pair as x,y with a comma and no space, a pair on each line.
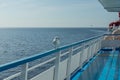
111,41
57,64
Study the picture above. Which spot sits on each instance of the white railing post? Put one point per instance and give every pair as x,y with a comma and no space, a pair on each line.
24,73
100,43
57,65
88,52
96,47
91,49
81,54
68,74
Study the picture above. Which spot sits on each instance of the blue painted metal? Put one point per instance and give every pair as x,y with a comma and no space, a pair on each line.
40,55
106,68
106,49
79,72
95,68
25,60
108,72
119,75
111,34
110,49
113,67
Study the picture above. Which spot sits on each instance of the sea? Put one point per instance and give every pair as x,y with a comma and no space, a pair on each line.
17,43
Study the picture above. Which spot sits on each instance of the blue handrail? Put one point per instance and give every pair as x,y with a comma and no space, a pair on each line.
111,34
41,55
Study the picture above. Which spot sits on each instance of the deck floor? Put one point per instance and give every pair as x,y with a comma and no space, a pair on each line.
106,66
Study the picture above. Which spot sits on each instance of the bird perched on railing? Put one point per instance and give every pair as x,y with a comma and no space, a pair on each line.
56,42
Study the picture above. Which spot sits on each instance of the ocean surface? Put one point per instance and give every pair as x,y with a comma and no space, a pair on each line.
17,43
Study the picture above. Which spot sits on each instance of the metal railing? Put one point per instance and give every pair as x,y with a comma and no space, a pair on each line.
111,41
65,61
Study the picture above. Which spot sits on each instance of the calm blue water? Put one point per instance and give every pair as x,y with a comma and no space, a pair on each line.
19,43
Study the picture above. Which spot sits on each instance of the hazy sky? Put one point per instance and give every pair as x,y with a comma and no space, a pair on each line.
54,13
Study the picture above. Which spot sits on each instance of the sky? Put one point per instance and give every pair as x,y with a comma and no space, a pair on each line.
54,13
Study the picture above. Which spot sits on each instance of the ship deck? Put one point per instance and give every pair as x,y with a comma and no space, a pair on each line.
106,66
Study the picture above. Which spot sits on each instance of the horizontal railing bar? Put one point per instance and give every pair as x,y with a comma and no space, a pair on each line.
29,69
25,60
111,34
64,53
77,48
82,41
40,55
68,51
36,66
43,73
13,76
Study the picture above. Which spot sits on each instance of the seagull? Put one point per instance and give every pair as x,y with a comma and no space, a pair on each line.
56,41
